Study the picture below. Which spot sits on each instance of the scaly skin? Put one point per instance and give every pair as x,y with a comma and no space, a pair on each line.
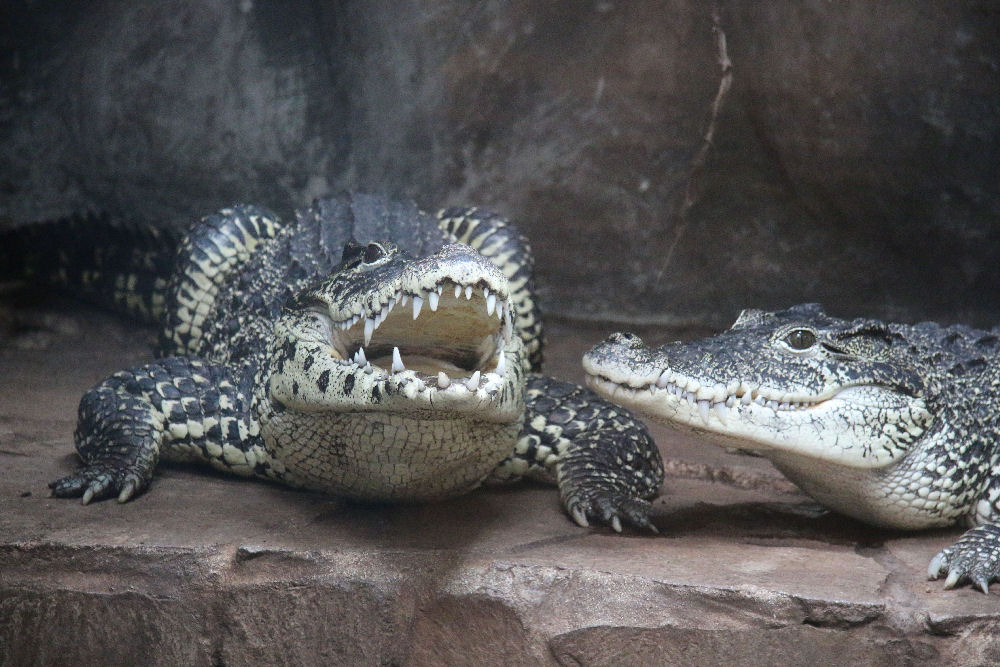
892,424
400,367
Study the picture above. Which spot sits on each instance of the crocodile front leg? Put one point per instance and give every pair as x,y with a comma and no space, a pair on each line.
178,409
974,557
604,461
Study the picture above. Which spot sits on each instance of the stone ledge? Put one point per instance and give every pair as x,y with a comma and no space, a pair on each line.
206,569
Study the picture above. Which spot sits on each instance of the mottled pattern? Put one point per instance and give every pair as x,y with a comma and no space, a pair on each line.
893,424
364,349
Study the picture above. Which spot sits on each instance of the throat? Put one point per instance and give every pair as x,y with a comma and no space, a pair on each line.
890,497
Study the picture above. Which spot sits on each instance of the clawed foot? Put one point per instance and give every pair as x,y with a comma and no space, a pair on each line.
609,507
975,558
97,481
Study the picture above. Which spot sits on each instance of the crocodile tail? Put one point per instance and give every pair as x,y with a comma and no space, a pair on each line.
124,266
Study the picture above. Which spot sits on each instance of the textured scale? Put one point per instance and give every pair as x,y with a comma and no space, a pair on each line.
893,424
266,369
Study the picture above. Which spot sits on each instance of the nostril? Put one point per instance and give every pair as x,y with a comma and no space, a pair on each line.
625,338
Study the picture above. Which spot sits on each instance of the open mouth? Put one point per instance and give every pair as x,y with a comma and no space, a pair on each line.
452,334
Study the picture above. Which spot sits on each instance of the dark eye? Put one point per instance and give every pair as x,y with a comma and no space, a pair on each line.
800,339
373,253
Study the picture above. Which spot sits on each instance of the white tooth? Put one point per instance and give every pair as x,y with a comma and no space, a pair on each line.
397,361
418,303
703,409
731,401
508,326
359,357
443,380
501,364
473,382
491,303
403,299
468,292
720,410
410,390
432,300
486,293
747,398
500,310
458,291
663,380
369,328
440,289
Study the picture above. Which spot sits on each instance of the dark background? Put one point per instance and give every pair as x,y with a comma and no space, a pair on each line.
854,155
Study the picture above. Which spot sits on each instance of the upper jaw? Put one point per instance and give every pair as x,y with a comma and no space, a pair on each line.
624,369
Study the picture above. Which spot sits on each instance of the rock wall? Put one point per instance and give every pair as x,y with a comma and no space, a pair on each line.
672,160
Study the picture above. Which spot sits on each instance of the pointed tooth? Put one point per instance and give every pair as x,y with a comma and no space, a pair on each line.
432,300
369,329
501,364
397,361
468,292
440,289
663,380
500,310
418,303
508,326
720,411
486,292
491,303
458,291
404,298
443,380
473,382
703,409
359,357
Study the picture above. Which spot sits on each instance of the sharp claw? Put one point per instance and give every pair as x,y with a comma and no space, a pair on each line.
934,569
616,524
580,517
126,492
952,579
88,495
982,582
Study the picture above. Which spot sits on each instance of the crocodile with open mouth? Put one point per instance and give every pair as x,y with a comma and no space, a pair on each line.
893,424
364,349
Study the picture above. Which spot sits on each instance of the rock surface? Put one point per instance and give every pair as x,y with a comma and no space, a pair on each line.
207,569
847,153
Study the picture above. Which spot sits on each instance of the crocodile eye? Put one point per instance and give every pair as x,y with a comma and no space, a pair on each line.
373,253
800,339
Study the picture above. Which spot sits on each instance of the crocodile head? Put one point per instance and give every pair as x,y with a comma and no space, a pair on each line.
837,405
408,355
796,380
389,332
